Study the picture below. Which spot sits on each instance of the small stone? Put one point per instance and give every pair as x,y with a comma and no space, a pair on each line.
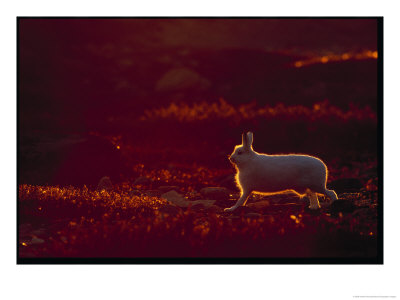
204,203
194,195
104,184
175,198
196,207
36,241
217,193
142,180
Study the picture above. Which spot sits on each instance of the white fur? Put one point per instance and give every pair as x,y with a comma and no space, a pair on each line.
270,174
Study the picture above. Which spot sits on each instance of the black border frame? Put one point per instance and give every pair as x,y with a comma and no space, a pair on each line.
221,260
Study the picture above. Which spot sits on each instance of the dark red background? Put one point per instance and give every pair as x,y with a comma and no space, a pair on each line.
83,76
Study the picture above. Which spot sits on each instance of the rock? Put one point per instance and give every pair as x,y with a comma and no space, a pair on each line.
36,241
204,203
343,185
104,184
175,198
142,180
167,188
217,193
194,195
196,207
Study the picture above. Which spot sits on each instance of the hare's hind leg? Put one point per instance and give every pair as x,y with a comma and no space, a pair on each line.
241,201
314,203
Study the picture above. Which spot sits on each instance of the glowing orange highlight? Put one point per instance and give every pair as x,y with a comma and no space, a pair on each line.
345,56
367,54
298,64
324,59
224,110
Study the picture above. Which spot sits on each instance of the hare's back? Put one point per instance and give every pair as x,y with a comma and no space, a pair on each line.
294,164
281,172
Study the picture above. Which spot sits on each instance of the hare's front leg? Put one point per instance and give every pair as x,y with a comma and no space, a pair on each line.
242,200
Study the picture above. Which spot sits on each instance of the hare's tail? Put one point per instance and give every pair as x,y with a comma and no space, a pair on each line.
331,194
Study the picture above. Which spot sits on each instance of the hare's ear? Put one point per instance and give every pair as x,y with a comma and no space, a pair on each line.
244,140
249,138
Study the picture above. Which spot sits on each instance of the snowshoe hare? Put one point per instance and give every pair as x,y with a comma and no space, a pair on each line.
268,174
